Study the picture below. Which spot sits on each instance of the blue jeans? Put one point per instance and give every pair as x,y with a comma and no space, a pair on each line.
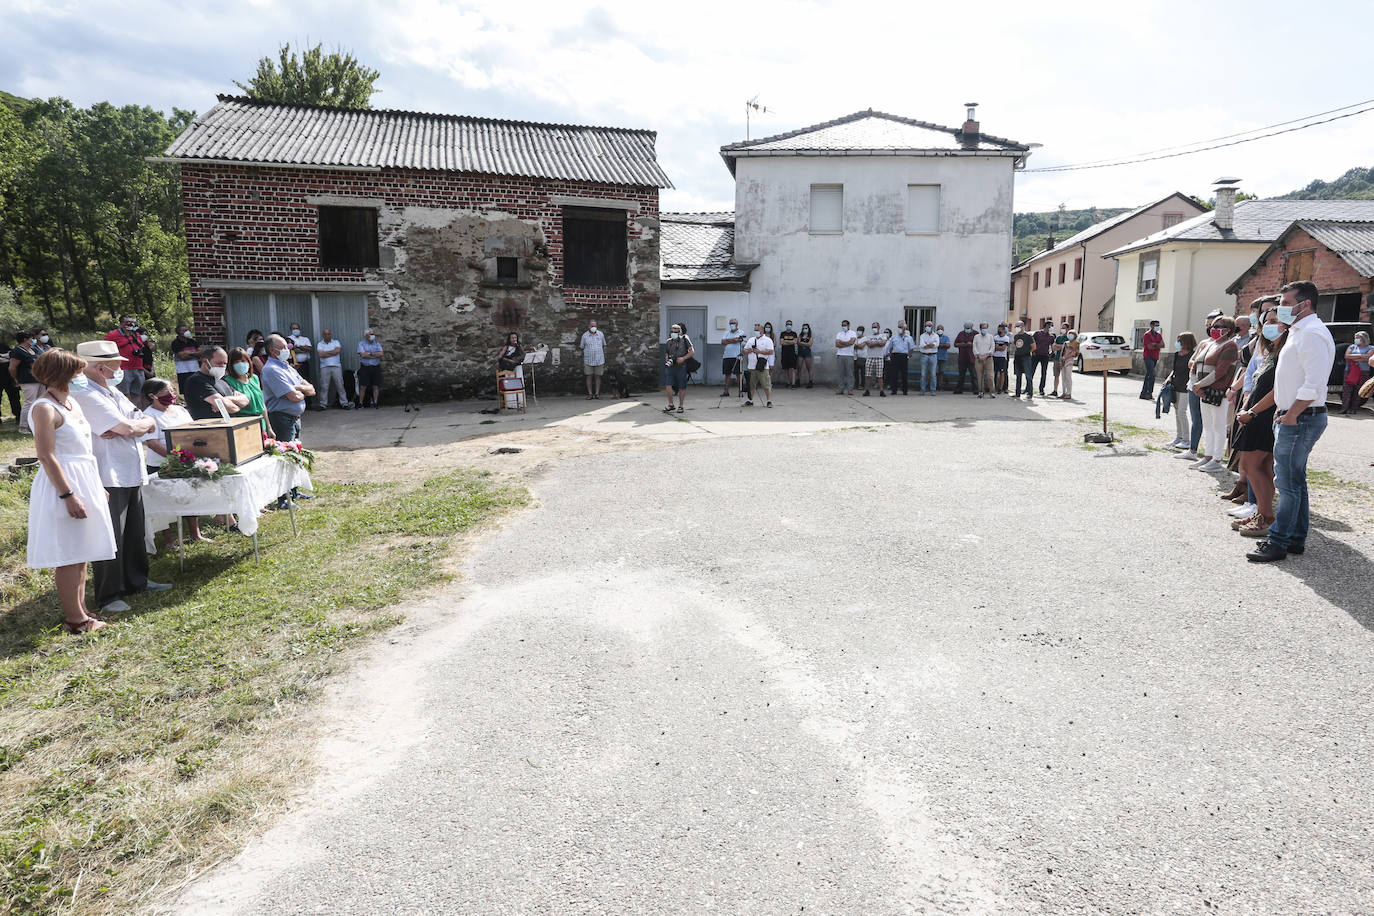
928,377
1292,445
1148,389
1195,415
285,427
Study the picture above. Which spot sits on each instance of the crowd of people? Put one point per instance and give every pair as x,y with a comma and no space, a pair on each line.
1250,397
99,439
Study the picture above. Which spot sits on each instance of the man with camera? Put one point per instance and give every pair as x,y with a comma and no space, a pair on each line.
758,354
136,347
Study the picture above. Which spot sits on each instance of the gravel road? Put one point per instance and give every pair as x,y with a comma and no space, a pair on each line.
953,667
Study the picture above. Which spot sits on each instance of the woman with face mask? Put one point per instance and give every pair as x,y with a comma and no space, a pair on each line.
1214,374
1068,353
1357,357
806,364
164,410
239,376
787,343
1178,378
1255,441
69,514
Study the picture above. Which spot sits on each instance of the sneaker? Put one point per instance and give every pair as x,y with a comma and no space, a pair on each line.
116,607
769,404
992,395
1189,456
748,403
679,410
1256,527
1210,465
725,394
152,586
866,393
1201,460
1243,511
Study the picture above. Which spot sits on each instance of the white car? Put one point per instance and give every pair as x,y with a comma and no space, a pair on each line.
1102,344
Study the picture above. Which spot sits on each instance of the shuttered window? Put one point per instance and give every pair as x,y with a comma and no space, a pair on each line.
1148,282
1299,266
827,208
348,237
595,247
923,208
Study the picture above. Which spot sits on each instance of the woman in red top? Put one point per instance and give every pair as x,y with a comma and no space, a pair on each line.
1219,367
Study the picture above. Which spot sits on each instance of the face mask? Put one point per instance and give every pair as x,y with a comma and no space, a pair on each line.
1154,329
875,332
1019,328
118,377
927,329
1073,337
167,400
241,368
43,339
1272,332
789,325
80,383
844,327
217,372
982,330
1215,333
372,338
887,334
674,335
939,330
295,332
734,327
592,329
186,334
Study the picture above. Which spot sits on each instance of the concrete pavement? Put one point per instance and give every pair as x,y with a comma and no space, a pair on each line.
954,666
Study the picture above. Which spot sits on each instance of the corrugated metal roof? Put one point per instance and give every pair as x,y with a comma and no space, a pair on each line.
1255,221
869,130
1097,229
246,130
699,247
1354,242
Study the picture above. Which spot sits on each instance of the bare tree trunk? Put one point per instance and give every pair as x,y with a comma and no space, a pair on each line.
78,273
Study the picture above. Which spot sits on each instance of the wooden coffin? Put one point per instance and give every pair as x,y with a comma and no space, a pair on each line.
235,441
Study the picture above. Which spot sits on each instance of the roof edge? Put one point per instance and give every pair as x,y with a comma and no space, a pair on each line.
743,145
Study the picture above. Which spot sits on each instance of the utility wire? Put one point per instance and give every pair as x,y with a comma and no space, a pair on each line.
1189,152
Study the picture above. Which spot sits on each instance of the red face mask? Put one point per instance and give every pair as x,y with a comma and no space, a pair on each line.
1215,333
167,400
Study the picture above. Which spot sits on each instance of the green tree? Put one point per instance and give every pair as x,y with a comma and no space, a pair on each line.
337,80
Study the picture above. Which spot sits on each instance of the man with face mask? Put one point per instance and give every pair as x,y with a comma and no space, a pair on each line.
731,344
593,359
844,359
876,345
759,351
185,354
963,342
369,369
133,346
206,388
1300,377
301,350
942,357
330,352
983,348
899,357
1150,345
1023,346
929,346
117,432
787,343
284,391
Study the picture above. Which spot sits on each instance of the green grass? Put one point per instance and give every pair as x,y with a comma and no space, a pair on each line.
1120,429
142,752
1329,481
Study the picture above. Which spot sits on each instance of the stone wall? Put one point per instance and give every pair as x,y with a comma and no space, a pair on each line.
434,299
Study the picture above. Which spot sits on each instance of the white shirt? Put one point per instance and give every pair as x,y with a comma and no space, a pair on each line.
329,351
982,344
120,459
844,343
930,342
300,340
764,345
1304,364
175,415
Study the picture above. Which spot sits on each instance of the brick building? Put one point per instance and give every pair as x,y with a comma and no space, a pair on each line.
1336,255
441,232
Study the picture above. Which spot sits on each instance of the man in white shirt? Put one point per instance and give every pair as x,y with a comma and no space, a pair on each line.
759,350
873,360
983,346
1300,379
844,358
117,432
929,345
593,344
899,357
300,351
330,352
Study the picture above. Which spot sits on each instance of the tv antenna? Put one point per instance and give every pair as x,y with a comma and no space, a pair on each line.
752,106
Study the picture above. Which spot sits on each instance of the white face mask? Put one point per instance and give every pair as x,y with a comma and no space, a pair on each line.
217,372
43,338
674,335
372,338
186,334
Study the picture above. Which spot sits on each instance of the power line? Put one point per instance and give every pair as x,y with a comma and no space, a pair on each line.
1189,152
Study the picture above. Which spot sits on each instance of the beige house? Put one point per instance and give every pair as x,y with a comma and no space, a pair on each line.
1070,282
1180,274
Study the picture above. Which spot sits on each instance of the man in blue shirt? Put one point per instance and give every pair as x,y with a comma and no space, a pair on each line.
284,391
369,368
730,350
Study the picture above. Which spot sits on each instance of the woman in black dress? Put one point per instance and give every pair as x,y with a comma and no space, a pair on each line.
511,355
1256,439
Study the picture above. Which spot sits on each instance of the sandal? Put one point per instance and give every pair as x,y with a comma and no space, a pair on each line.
89,625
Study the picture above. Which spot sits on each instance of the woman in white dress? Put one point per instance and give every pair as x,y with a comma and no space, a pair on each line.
69,515
166,413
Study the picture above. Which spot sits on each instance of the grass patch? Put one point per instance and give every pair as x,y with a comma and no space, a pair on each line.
1120,429
134,757
1328,481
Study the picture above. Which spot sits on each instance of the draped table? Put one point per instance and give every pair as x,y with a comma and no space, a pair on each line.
258,483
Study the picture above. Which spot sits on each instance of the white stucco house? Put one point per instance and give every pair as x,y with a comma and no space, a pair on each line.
868,217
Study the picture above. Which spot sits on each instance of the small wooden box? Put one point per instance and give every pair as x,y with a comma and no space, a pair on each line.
235,441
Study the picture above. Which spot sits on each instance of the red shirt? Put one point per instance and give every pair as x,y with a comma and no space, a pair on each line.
1152,341
130,346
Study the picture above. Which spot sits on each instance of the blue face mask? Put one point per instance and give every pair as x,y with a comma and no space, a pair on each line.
1286,314
118,377
80,383
1271,332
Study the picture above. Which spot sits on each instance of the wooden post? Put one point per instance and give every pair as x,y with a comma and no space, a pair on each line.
1104,403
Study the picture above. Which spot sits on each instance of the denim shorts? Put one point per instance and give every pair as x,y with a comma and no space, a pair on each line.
676,376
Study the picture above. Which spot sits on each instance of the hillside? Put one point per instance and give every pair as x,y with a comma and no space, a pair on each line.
1356,184
1029,229
14,103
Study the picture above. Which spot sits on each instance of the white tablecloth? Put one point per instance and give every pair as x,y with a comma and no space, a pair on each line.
258,483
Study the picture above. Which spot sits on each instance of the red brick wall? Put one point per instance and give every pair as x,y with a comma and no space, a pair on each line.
1329,272
251,223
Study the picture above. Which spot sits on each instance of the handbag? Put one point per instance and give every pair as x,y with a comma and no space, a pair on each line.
1212,396
691,364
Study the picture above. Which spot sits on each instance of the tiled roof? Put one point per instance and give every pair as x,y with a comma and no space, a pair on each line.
1352,242
245,130
868,131
1097,229
699,247
1255,221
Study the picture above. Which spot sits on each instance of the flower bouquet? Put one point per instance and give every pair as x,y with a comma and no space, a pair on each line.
293,452
182,465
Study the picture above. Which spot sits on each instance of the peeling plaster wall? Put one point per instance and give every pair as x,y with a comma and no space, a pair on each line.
874,269
439,309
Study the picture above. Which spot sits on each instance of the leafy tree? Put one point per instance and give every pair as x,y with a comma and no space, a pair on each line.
337,80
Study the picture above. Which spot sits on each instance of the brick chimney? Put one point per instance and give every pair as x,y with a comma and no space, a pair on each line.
1049,242
1224,216
968,134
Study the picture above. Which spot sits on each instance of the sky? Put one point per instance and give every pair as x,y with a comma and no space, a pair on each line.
1086,80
